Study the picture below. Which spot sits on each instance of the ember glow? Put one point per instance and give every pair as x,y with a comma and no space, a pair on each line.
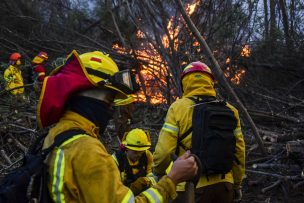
245,51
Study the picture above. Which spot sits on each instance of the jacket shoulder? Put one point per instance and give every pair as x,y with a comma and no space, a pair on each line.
184,101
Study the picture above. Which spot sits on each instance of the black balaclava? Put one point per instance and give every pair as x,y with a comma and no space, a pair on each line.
97,111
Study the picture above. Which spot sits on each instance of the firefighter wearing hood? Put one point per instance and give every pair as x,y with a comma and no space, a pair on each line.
198,82
38,62
79,96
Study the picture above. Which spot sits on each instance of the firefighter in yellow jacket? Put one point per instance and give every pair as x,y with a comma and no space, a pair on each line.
78,96
134,160
13,75
197,81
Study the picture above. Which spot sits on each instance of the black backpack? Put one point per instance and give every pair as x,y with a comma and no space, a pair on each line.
28,183
213,140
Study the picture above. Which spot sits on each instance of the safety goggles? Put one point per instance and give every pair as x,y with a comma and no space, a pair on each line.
124,80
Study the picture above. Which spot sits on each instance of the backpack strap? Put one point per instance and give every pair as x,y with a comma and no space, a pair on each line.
61,138
196,99
120,156
180,139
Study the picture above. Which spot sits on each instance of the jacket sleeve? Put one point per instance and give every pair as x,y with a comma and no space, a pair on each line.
99,180
238,169
40,71
149,162
166,144
8,76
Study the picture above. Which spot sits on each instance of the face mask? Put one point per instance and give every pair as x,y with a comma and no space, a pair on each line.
94,110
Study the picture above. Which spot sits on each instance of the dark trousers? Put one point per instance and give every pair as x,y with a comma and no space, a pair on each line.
216,193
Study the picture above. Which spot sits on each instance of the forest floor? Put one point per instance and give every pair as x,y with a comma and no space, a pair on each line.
271,178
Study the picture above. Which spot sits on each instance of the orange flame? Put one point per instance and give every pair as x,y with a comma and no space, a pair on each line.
156,70
235,76
236,79
245,51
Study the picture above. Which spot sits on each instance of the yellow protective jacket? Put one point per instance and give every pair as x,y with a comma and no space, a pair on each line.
179,120
13,78
81,169
147,168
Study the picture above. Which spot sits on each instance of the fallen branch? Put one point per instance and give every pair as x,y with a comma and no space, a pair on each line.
5,91
271,186
21,127
21,146
4,155
278,166
274,175
298,184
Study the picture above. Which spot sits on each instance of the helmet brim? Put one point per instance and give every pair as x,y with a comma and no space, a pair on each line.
138,149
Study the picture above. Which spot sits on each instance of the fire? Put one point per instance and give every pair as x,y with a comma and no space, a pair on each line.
173,33
119,49
235,76
233,72
140,34
245,51
236,79
155,72
195,44
190,8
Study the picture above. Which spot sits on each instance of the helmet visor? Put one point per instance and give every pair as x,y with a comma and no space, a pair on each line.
126,81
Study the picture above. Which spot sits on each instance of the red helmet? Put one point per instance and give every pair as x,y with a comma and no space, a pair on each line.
43,55
197,66
15,56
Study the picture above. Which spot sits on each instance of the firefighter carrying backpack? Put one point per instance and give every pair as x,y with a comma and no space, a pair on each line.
213,140
28,183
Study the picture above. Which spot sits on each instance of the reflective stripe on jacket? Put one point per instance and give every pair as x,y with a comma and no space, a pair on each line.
179,120
81,170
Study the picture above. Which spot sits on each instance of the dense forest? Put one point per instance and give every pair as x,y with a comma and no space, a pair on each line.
254,47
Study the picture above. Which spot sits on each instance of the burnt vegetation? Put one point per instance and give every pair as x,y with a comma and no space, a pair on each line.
258,44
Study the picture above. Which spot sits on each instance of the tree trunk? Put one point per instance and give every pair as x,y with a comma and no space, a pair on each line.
272,31
292,17
285,24
266,32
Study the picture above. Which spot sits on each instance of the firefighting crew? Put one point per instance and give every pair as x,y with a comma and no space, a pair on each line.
134,160
197,81
13,75
79,96
39,66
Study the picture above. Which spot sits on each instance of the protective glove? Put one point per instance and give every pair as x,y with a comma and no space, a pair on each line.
237,193
153,179
141,184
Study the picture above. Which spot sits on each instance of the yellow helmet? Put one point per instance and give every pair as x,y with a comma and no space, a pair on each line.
103,71
40,58
97,66
137,140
